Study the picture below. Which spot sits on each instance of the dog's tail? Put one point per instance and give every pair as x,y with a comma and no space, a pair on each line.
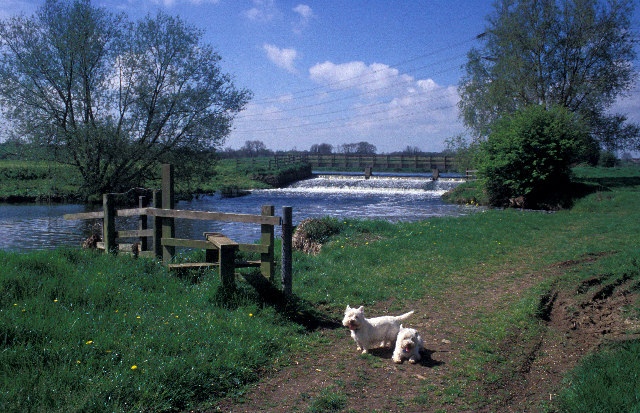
404,316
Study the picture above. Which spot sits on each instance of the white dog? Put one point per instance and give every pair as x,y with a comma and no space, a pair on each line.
408,346
372,332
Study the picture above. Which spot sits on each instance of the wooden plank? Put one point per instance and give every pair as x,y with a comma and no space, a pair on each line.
192,265
220,241
187,243
85,215
213,216
136,233
258,248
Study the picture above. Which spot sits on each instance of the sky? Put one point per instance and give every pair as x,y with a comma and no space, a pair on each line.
338,71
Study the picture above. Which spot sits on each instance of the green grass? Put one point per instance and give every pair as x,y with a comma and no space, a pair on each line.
37,181
81,331
606,381
70,331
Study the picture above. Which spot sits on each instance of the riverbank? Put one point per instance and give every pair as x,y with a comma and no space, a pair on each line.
48,182
508,302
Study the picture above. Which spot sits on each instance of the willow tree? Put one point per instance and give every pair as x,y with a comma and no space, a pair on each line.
113,97
572,53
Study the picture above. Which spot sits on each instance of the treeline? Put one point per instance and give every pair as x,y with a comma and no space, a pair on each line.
257,148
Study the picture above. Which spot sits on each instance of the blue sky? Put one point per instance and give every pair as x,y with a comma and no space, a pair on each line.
337,71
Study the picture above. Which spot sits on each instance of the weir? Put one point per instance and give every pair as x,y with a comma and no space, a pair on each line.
379,184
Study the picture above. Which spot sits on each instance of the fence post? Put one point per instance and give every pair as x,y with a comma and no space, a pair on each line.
142,225
287,267
168,202
157,224
227,258
109,223
266,238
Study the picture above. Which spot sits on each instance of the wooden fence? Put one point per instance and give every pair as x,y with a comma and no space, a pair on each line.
273,162
220,250
422,162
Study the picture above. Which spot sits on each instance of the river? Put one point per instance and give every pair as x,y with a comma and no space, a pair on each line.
392,197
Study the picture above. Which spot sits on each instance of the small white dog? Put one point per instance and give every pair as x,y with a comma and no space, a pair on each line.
409,344
372,332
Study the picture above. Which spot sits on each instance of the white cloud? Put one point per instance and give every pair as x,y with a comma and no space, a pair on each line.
284,58
262,11
305,14
375,79
304,11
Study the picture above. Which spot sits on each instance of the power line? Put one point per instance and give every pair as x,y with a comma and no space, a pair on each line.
343,98
394,66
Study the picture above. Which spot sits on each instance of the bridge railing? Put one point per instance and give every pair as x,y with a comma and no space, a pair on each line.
425,162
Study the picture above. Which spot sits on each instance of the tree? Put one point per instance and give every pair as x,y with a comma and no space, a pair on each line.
110,96
412,150
574,53
528,155
255,148
323,148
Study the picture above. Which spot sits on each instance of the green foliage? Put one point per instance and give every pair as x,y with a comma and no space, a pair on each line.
466,151
319,230
607,159
529,154
173,97
576,54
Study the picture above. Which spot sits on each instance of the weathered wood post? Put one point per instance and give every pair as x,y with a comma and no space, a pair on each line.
227,258
142,224
168,202
157,224
435,175
267,238
367,172
109,223
287,265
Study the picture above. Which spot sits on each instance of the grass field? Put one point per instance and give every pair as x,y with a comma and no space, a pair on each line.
81,331
35,181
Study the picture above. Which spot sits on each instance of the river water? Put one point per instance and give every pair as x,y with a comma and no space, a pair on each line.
392,197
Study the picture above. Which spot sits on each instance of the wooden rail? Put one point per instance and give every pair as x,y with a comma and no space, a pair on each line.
272,162
422,162
220,250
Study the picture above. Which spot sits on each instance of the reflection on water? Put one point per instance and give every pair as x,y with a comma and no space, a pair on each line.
26,227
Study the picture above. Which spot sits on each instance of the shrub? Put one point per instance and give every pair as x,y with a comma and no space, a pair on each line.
526,159
607,159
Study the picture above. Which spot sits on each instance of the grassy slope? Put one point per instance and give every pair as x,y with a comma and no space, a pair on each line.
43,181
91,336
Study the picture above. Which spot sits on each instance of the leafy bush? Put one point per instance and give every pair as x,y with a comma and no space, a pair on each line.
526,159
607,159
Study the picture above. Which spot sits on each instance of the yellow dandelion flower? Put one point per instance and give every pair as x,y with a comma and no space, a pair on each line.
89,342
250,315
134,367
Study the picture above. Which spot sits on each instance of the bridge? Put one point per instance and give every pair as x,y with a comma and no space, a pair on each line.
382,162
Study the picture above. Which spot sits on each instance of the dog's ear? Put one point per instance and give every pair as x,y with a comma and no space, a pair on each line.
361,308
401,327
348,308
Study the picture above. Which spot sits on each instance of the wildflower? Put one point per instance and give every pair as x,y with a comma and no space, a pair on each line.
55,301
250,315
89,342
134,367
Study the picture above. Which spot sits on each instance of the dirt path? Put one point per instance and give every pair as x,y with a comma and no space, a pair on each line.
333,376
